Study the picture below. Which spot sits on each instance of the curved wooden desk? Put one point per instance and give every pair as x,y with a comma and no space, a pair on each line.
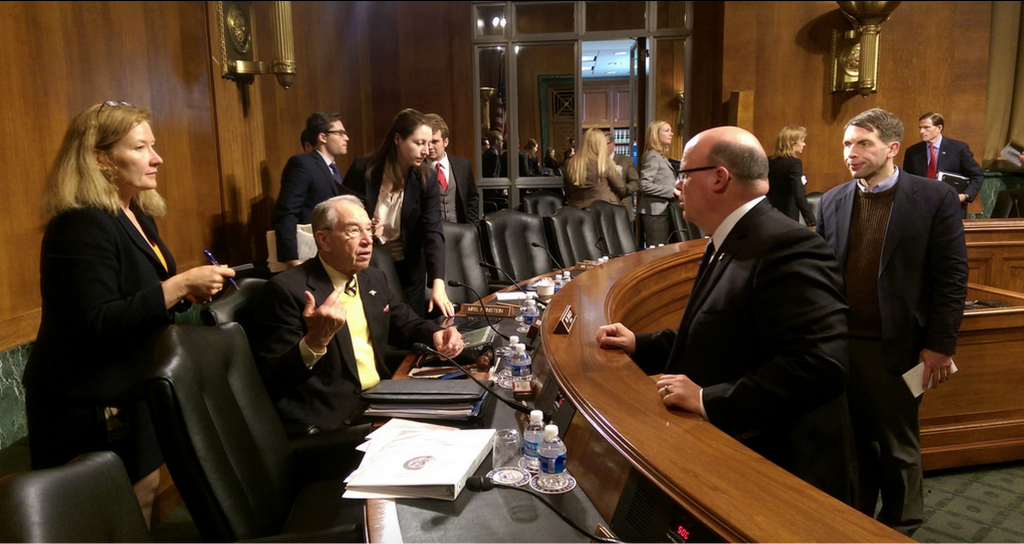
738,494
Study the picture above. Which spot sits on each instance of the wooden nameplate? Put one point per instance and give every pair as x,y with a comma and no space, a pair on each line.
494,311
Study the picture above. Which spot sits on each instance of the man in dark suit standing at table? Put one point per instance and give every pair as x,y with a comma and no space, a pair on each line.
320,330
460,200
901,241
307,180
936,154
761,350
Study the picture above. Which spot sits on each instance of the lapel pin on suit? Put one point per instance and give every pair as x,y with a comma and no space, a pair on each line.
373,292
387,308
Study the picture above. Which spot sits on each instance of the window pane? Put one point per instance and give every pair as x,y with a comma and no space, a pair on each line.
490,20
545,18
671,15
615,16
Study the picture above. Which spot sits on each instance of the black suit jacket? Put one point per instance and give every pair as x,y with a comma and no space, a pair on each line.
922,278
786,188
305,182
764,333
422,235
490,164
326,396
954,156
467,205
103,307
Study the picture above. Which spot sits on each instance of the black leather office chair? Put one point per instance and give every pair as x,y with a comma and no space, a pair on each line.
1007,204
814,199
227,449
382,261
542,203
613,226
573,233
90,499
509,236
233,304
462,262
682,230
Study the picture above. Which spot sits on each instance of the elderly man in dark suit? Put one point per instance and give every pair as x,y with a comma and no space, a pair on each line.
901,241
950,156
460,200
307,180
761,350
320,329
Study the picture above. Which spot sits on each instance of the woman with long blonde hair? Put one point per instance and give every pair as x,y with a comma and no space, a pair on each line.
109,287
657,184
591,175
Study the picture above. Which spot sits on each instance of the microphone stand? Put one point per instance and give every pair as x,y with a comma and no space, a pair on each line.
422,348
553,259
455,283
514,281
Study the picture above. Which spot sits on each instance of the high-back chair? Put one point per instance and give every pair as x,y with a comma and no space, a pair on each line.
227,449
233,304
542,203
814,199
573,233
90,499
613,227
510,235
462,262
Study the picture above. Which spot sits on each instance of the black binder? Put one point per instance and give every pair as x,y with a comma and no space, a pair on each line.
423,391
956,180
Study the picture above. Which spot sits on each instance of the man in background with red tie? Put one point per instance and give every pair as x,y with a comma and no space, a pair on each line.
307,180
460,200
936,154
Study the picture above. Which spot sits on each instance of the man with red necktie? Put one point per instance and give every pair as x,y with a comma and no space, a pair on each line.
460,200
936,154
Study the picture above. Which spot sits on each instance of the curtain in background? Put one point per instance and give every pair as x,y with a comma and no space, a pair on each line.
1004,115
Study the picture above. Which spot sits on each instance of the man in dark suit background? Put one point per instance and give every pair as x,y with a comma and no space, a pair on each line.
307,180
460,200
629,174
761,350
952,156
320,329
491,158
901,241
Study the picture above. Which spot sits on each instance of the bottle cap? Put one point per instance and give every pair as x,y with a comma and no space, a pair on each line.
536,415
520,348
513,340
550,431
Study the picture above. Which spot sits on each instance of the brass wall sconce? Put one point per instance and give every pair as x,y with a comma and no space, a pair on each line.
237,62
680,113
855,52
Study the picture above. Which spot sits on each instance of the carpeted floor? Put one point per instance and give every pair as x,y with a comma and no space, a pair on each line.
974,504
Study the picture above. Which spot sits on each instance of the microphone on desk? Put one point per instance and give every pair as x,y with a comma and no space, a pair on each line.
483,483
514,281
424,349
680,232
553,259
455,283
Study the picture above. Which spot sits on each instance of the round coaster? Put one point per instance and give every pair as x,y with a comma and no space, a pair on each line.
568,484
524,464
505,382
509,476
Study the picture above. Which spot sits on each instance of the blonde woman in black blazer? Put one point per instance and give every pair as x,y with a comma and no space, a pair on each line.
109,287
657,184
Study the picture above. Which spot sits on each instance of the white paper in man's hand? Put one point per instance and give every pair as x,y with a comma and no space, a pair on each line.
914,376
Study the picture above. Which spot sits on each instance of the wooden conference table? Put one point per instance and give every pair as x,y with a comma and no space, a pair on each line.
622,429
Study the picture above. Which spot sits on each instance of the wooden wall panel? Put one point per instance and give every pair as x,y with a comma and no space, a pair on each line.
59,58
781,51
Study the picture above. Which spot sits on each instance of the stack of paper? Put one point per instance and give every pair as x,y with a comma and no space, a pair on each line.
414,463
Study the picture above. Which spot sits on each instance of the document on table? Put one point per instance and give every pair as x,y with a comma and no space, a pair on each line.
914,376
430,464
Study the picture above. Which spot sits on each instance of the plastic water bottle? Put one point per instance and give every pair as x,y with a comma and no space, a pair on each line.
522,372
528,313
559,282
532,437
552,459
566,278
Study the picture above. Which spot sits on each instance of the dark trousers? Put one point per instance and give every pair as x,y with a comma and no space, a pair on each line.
656,228
888,439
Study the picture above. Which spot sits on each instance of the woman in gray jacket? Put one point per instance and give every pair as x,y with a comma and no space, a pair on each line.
657,181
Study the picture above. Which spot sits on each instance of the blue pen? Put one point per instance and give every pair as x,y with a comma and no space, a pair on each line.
215,263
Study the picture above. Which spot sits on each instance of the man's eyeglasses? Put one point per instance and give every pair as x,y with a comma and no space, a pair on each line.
354,231
684,174
341,133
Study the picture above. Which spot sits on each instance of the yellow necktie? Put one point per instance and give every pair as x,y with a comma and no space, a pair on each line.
360,333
